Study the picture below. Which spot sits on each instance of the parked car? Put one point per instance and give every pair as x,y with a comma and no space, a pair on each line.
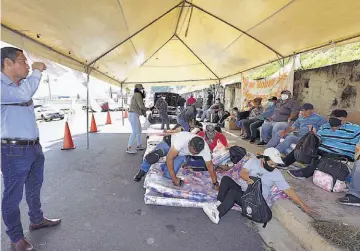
173,110
47,113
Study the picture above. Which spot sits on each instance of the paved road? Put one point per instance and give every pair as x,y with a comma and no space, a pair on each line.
103,209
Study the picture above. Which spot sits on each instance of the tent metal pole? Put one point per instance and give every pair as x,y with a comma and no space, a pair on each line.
197,57
122,104
178,21
236,28
130,37
157,50
87,69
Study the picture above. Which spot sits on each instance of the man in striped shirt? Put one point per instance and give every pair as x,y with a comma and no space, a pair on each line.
338,138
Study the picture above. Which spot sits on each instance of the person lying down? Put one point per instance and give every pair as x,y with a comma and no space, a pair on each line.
178,148
261,166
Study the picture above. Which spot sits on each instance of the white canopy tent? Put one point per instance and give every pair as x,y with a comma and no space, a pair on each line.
172,41
175,42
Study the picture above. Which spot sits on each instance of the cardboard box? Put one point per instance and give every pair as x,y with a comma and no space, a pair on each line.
354,117
230,125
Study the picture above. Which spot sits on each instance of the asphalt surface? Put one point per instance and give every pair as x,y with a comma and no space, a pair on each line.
102,208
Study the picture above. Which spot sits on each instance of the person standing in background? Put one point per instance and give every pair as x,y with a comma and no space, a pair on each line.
162,106
181,103
22,158
209,100
191,100
137,108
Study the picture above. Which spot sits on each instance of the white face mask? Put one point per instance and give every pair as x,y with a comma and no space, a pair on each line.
163,97
284,96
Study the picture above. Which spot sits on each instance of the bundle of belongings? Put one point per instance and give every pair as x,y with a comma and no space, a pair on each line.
196,190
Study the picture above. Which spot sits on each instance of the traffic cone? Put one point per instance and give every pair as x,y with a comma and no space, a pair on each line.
93,127
68,142
108,119
126,115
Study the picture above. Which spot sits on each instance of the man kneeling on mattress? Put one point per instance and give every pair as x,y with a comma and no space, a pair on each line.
178,148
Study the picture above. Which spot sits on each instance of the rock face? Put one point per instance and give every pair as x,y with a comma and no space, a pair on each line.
330,87
327,88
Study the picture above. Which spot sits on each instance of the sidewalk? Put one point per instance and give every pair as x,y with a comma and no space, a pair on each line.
294,219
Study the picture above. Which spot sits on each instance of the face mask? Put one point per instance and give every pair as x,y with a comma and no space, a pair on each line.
334,122
284,96
267,167
163,97
271,103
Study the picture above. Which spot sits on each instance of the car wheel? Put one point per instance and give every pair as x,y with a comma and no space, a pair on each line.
151,119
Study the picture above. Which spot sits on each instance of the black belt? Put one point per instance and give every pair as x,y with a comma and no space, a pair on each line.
22,142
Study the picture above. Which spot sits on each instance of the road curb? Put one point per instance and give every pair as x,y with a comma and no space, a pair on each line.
299,224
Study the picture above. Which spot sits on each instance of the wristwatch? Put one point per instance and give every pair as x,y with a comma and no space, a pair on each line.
216,183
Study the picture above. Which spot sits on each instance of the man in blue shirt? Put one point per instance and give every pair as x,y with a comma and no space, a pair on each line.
338,138
22,159
307,120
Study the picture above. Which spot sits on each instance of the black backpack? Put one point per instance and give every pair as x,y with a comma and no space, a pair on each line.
306,149
236,153
253,204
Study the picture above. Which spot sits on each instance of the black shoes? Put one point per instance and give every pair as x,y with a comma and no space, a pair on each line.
349,200
262,143
139,175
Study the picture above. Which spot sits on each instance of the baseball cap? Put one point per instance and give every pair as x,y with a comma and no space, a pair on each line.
272,99
306,107
139,86
286,92
274,155
338,113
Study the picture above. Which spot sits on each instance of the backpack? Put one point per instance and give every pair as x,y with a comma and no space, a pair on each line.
253,204
236,153
306,149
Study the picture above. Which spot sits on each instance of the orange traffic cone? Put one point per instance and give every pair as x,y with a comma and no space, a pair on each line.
126,115
108,119
93,127
68,142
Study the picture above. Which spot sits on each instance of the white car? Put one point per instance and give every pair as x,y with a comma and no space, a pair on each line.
46,113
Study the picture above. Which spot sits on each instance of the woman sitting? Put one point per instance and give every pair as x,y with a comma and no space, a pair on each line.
262,166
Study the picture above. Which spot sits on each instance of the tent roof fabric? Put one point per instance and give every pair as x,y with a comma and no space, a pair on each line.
173,41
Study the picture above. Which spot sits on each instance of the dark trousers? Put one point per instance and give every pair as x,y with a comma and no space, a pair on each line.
251,125
229,194
165,121
21,166
309,170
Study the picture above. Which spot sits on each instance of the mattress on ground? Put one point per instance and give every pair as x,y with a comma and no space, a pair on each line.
197,190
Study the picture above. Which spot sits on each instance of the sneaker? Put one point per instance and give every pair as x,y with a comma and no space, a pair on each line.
212,213
140,148
139,175
246,138
252,140
131,150
349,200
262,143
297,174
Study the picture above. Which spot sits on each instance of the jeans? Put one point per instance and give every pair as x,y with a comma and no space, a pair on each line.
206,114
165,120
354,187
134,119
270,132
183,123
309,170
182,108
288,141
229,194
21,166
178,161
